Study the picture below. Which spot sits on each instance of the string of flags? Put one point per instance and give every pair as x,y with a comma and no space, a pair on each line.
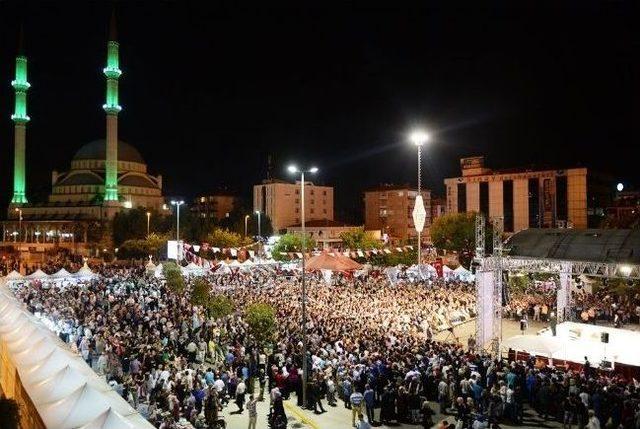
189,251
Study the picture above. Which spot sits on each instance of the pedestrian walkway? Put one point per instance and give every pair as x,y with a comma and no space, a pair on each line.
339,417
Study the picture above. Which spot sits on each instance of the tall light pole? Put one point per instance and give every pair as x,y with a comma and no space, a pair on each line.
19,211
177,204
419,138
259,237
148,222
293,169
246,219
259,227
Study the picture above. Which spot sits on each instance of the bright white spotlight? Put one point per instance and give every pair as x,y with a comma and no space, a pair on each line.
419,137
313,170
625,270
620,187
292,169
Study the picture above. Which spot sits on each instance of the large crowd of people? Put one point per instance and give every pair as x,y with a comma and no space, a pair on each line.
601,304
371,350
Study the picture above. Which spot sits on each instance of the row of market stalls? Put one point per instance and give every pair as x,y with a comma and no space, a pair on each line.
428,271
83,273
220,268
63,391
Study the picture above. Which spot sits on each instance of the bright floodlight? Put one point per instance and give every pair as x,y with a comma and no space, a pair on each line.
419,137
257,211
625,270
620,187
292,169
313,170
177,203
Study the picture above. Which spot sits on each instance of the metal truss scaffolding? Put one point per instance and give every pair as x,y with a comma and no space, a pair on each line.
489,285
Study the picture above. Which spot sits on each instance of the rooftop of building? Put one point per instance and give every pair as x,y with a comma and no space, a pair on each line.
474,166
327,223
587,245
393,187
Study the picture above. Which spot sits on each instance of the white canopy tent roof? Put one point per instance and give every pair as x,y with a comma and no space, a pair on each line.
193,270
85,272
62,274
462,273
158,272
38,275
222,269
63,388
13,276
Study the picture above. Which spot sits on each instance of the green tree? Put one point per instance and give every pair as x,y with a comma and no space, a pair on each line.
200,292
219,306
173,276
457,232
156,244
224,238
133,249
291,243
406,257
9,413
261,319
358,238
131,224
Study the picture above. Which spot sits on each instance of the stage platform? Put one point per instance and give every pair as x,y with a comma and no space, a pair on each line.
577,340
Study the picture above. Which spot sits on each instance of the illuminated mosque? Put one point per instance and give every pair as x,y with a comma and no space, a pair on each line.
105,176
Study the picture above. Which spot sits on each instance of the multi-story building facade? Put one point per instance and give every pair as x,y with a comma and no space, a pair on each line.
523,198
216,205
326,233
280,200
438,207
389,209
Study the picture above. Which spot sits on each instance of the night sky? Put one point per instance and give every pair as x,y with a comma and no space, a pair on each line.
210,90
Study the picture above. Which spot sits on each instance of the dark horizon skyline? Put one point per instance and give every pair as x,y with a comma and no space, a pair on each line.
210,91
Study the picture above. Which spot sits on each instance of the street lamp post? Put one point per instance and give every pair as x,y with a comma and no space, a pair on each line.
177,204
293,169
19,211
259,237
246,219
148,222
419,138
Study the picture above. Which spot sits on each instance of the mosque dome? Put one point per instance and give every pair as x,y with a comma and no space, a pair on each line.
96,150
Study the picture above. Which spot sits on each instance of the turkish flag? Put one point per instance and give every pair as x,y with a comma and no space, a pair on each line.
437,264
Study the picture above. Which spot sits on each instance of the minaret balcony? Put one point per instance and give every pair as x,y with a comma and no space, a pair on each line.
20,85
20,119
112,109
112,72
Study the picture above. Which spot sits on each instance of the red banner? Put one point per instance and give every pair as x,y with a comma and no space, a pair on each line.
437,264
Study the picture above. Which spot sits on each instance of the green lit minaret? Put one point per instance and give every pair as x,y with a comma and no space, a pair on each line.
112,108
20,119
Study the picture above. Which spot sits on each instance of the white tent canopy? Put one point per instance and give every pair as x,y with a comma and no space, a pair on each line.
462,273
222,270
14,275
62,274
193,270
85,272
158,273
37,275
64,389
